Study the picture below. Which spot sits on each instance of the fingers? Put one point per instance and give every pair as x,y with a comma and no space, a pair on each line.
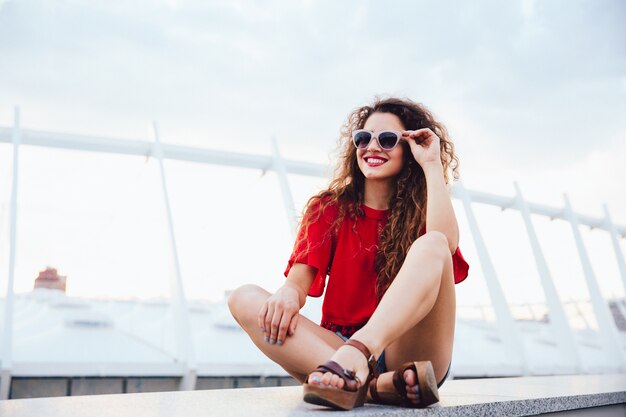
277,322
268,322
419,135
287,324
266,317
283,327
293,325
420,131
278,317
261,317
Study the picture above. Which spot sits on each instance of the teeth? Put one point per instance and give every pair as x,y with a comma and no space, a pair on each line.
375,161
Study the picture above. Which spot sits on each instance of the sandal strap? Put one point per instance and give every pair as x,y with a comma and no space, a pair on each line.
351,380
374,391
371,360
400,384
398,381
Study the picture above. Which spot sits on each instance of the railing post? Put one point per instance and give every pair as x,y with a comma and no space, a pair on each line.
181,312
607,328
6,344
507,328
290,209
619,256
558,321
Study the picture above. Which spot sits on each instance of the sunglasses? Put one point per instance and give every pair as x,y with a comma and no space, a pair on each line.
387,139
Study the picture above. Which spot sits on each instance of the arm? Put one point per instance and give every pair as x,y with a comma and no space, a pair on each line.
300,278
425,146
439,211
278,316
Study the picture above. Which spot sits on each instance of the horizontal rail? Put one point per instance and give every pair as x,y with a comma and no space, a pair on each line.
242,160
146,149
541,209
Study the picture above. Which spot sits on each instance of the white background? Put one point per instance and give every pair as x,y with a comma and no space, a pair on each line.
533,92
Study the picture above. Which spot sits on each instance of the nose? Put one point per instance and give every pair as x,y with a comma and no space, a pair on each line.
374,143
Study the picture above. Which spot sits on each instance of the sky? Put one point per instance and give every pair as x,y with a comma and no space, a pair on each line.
533,92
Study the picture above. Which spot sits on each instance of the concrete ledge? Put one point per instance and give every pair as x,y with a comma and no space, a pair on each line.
39,387
504,396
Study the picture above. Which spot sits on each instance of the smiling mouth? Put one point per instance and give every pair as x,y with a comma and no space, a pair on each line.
374,160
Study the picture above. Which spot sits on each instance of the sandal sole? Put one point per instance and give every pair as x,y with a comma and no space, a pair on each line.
427,383
334,397
429,392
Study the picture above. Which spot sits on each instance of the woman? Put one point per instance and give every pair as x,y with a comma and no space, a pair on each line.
385,234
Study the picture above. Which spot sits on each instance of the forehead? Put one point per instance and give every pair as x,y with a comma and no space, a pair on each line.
383,121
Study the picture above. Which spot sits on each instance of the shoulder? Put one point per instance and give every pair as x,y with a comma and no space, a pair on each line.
322,207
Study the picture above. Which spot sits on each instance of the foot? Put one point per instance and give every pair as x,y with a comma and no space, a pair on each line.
385,384
348,357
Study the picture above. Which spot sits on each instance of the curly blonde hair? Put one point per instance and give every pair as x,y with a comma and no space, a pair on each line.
407,206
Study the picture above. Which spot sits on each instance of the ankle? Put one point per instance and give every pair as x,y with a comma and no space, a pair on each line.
371,343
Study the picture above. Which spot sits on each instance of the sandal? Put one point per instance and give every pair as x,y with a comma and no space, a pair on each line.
428,393
353,392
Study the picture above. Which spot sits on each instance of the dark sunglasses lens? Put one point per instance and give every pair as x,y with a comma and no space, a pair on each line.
362,139
387,140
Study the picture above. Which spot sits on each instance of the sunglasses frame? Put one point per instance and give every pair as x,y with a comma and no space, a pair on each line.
375,136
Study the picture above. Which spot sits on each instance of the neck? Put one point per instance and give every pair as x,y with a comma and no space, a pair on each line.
377,193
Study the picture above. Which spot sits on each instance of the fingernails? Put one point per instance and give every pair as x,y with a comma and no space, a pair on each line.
316,379
280,343
272,341
267,339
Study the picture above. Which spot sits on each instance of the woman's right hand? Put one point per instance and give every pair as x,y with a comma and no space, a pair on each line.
278,317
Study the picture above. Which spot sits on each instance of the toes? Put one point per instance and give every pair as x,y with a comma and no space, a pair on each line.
412,395
336,382
326,378
315,378
409,377
411,385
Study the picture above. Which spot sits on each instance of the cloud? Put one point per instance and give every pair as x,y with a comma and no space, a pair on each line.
530,91
525,75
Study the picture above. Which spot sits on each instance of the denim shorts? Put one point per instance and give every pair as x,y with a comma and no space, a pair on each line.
382,366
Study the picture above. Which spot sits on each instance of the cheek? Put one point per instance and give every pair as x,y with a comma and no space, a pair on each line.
398,155
358,161
399,160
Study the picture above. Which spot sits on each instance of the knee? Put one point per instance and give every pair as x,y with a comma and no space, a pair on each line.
239,301
434,243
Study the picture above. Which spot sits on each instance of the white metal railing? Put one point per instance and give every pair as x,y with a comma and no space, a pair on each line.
507,329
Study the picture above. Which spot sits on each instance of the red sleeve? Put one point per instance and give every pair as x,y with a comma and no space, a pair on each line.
460,266
316,250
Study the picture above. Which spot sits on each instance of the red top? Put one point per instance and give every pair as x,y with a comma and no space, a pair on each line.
348,260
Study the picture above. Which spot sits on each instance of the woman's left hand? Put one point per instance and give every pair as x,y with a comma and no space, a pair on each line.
424,145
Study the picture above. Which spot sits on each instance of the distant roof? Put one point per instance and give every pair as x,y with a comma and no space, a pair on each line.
58,335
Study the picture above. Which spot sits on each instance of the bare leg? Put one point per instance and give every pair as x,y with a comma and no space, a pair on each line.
415,318
310,346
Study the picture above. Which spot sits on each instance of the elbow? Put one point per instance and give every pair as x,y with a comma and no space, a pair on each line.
453,248
453,243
